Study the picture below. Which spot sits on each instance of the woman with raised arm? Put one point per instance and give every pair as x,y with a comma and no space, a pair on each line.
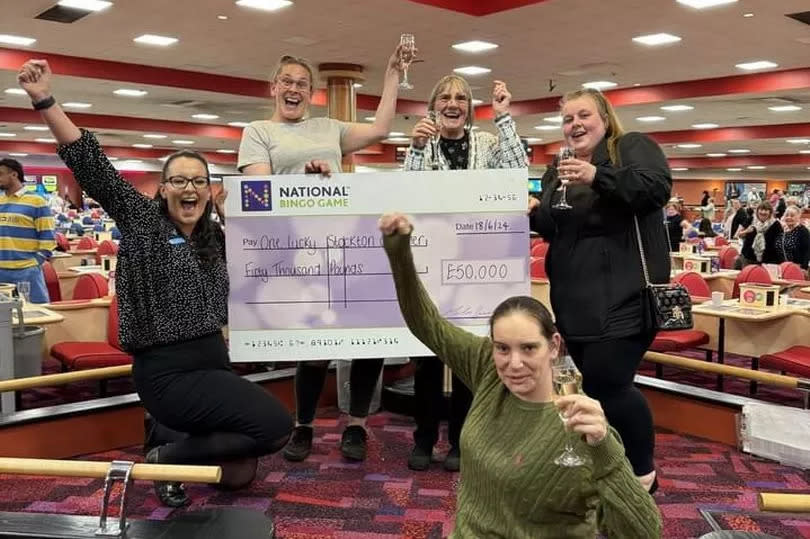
454,145
510,483
291,142
172,287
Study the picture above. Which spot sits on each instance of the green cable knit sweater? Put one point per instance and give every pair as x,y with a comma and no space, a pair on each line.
510,486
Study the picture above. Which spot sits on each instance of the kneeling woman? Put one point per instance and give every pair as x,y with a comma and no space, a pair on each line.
172,292
510,485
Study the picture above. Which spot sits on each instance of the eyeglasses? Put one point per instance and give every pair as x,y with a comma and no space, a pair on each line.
180,182
301,85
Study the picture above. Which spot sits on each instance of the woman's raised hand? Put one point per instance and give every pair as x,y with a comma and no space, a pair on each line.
35,78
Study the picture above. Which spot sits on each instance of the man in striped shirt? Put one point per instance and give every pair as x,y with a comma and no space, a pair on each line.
26,232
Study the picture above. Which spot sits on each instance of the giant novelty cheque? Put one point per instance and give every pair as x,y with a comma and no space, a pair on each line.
309,276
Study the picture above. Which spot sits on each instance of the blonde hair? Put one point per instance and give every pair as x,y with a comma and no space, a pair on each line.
449,80
294,60
613,127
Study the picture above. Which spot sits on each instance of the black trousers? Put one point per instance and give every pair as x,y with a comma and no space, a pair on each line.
311,375
429,393
190,388
608,368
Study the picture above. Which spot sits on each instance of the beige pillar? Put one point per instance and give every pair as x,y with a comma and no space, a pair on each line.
340,96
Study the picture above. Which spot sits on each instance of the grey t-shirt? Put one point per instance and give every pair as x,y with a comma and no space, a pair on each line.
289,146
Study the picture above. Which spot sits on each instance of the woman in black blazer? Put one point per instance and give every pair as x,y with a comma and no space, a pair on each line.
594,265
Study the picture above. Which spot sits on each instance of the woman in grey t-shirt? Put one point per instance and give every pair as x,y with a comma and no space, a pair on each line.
292,143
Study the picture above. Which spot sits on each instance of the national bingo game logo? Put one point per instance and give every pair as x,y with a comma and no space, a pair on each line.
256,195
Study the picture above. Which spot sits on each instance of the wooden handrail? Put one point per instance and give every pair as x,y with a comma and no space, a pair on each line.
718,368
84,468
788,503
48,380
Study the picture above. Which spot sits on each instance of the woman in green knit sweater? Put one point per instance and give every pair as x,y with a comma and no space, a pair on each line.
510,486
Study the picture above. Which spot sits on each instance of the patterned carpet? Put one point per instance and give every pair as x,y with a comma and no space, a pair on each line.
325,497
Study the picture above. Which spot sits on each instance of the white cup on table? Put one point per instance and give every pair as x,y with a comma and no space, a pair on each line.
717,299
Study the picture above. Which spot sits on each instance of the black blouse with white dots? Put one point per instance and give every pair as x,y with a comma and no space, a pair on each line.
166,294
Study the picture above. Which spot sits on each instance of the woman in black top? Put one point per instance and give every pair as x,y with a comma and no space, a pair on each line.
172,286
593,262
762,240
705,229
675,226
796,238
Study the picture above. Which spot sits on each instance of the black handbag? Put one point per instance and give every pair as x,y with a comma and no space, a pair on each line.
666,307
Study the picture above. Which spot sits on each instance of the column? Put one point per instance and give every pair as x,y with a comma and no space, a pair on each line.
340,96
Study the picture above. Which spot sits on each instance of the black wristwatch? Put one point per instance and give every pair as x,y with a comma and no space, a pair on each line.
46,103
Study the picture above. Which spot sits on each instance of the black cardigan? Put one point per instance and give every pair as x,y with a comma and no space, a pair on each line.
741,220
773,253
593,261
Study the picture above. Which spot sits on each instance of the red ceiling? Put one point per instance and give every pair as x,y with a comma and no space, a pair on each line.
478,8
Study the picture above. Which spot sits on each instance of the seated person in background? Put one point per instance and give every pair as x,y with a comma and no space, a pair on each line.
172,290
510,484
762,239
796,238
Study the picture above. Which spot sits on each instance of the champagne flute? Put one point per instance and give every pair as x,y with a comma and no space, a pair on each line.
24,290
566,380
406,53
563,153
434,140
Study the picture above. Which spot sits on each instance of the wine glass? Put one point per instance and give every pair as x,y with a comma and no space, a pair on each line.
434,140
566,380
24,290
406,53
563,153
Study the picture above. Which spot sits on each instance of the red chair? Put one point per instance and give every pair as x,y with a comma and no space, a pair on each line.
791,271
51,282
694,284
91,286
728,256
683,339
76,356
86,244
62,242
751,273
795,360
539,249
720,241
538,268
106,248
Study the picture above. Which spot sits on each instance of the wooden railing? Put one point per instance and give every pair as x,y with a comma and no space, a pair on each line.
83,468
49,380
769,378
